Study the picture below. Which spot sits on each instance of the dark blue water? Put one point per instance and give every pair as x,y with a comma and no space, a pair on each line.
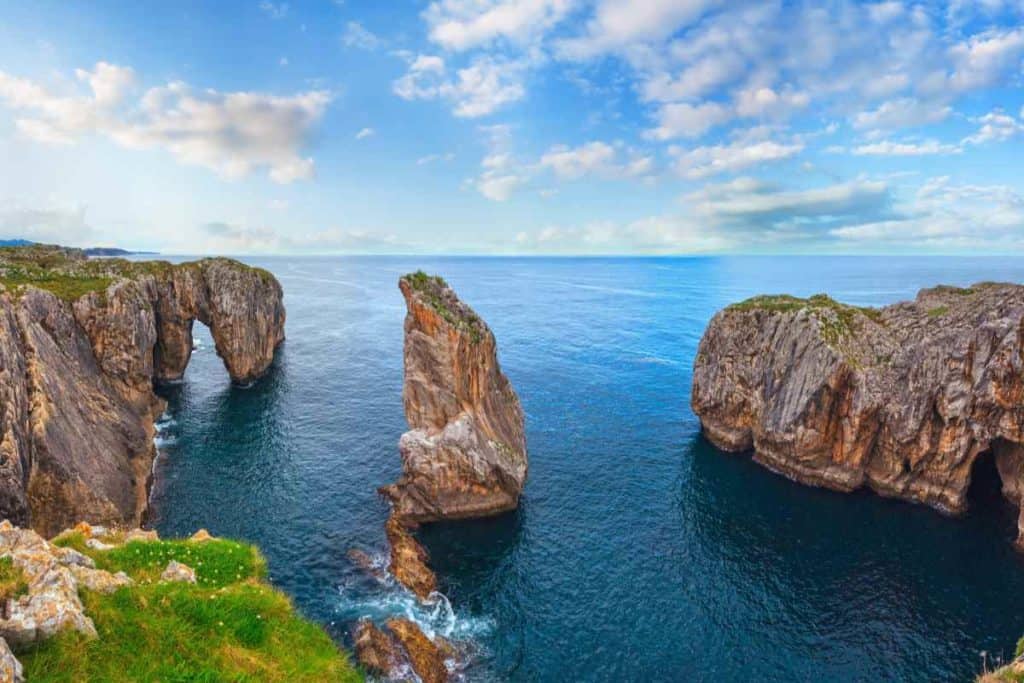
639,551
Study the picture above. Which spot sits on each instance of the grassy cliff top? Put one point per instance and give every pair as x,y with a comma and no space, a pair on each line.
69,274
229,626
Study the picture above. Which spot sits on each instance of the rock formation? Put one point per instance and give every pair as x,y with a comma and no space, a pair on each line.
401,646
902,399
409,560
465,454
81,343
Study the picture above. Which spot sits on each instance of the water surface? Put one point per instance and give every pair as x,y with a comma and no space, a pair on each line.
639,551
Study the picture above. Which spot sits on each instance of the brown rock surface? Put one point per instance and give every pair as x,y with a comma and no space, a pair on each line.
81,342
376,651
902,399
425,656
409,560
465,453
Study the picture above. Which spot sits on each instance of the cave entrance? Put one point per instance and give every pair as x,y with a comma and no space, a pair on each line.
985,498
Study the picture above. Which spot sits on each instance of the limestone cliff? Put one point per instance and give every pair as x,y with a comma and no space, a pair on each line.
81,343
902,399
465,453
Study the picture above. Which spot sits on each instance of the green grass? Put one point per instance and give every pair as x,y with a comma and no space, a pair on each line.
63,285
13,583
230,626
838,320
938,311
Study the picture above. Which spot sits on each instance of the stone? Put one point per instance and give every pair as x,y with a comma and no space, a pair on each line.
409,560
99,580
97,544
425,656
365,562
87,366
902,400
71,557
465,453
10,668
201,535
376,651
145,535
176,571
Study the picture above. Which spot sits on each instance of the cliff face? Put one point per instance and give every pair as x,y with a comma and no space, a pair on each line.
81,343
465,454
902,399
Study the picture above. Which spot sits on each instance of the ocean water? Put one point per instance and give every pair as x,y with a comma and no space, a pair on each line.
639,552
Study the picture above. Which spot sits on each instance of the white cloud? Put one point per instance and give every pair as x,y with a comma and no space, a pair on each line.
365,133
905,149
357,36
996,126
464,24
737,156
273,10
234,238
479,89
619,25
232,133
687,120
902,113
766,102
982,59
650,235
498,186
594,158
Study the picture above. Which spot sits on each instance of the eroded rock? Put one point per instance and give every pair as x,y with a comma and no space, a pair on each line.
465,453
426,657
902,400
376,651
409,559
76,374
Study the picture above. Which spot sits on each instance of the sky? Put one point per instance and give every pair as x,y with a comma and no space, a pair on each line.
514,126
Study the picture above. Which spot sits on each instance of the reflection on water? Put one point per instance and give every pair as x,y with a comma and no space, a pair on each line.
639,552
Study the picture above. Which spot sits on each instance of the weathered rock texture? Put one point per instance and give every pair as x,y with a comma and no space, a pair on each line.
401,650
409,560
465,455
81,343
902,399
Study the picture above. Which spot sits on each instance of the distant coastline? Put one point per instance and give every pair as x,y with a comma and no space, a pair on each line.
89,251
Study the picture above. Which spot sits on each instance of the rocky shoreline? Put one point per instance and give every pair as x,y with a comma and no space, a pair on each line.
81,344
902,400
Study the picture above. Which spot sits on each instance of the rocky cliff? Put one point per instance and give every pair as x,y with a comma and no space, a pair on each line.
903,400
81,343
465,453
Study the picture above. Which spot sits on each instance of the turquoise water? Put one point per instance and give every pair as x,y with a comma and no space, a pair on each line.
639,551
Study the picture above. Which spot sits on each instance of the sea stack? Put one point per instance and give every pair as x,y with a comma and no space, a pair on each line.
465,453
81,343
903,400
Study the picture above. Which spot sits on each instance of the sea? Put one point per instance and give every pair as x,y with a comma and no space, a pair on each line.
639,552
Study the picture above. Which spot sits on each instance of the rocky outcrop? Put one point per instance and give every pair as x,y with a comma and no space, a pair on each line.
81,343
399,647
409,560
465,453
903,400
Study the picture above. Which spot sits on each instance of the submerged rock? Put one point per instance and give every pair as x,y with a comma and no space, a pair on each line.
409,560
81,343
465,454
902,400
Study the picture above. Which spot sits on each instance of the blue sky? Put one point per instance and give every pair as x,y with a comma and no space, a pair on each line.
515,127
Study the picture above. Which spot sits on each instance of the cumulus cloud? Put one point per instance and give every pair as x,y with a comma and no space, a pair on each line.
479,89
982,59
274,10
232,133
996,126
901,113
365,133
620,25
464,24
905,149
684,120
703,162
357,36
595,158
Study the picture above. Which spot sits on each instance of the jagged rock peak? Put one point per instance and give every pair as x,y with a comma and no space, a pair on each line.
81,343
902,399
465,453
